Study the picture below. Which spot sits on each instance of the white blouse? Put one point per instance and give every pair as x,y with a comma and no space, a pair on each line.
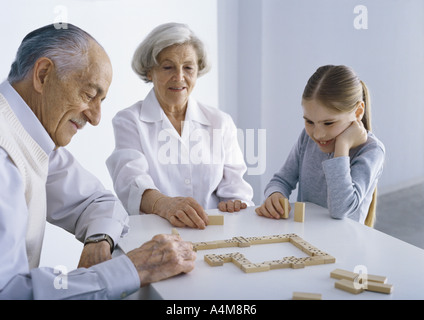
205,162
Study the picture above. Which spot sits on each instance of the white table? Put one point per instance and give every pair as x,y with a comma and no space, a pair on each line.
352,244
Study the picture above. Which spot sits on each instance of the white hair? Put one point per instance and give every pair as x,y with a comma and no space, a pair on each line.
67,48
162,37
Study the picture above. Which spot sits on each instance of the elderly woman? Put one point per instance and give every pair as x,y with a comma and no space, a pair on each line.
175,156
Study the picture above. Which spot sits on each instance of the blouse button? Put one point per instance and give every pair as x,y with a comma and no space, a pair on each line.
187,181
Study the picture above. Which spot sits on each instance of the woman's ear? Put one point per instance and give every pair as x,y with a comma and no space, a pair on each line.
360,110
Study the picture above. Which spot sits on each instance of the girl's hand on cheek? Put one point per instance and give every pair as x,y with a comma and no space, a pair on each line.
352,137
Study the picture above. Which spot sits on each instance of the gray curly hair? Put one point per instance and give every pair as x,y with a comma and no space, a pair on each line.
164,36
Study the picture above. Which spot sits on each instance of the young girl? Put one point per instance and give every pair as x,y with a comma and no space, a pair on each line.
337,161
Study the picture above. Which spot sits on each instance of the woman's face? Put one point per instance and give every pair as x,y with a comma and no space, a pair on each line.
323,124
175,76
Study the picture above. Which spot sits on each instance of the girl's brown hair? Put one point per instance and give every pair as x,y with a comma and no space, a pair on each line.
338,87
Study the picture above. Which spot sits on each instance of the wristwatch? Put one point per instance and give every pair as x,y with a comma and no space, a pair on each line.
100,237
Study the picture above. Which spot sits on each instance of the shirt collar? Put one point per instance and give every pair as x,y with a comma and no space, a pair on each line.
195,113
27,117
153,112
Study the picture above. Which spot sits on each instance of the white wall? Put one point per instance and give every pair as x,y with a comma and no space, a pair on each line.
119,25
268,49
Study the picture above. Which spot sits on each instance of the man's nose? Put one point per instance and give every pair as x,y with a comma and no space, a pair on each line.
93,113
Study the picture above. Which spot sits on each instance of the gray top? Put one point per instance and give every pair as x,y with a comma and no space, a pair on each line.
344,185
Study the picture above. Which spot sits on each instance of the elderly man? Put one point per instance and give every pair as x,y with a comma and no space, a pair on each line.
55,86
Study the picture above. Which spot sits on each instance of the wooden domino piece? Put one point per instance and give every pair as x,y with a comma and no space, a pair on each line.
226,257
298,263
285,204
375,278
349,286
238,259
216,220
278,238
299,212
226,243
378,287
278,264
255,240
298,243
204,245
343,274
272,239
313,261
241,241
255,267
306,296
214,260
328,258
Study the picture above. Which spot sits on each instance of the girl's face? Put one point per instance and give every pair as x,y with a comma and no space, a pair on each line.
323,124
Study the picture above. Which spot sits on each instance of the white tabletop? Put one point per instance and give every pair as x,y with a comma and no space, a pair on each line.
352,244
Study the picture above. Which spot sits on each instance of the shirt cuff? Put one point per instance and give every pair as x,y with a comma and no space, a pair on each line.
135,194
119,276
113,228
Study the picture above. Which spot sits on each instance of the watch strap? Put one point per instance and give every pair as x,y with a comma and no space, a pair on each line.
100,237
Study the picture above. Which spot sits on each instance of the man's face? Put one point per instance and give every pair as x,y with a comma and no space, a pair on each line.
68,104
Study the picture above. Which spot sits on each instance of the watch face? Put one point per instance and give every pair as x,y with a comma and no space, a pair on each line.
97,237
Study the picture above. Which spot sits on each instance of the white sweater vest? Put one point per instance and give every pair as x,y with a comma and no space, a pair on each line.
32,162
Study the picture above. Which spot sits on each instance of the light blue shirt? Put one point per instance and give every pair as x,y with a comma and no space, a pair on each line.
76,202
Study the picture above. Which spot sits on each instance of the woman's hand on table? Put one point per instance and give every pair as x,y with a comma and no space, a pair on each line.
231,205
179,211
182,212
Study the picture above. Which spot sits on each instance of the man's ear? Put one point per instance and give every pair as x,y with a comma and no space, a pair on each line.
360,110
43,68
